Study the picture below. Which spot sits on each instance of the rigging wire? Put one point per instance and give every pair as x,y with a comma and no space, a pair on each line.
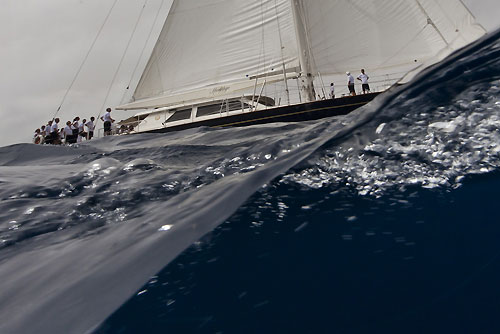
121,60
281,50
261,56
85,59
142,52
263,51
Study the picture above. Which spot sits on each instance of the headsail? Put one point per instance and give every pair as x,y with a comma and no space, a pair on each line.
374,34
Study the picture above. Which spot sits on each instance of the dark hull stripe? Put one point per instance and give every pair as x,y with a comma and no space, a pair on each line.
359,104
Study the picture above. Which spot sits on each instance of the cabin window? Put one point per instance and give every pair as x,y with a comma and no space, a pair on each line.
179,115
236,105
223,107
210,110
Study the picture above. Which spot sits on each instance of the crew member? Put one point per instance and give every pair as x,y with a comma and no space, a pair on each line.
37,137
332,91
107,122
90,125
48,128
364,81
81,131
54,132
68,133
75,126
350,84
42,133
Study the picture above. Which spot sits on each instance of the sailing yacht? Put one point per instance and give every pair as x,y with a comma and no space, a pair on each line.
224,63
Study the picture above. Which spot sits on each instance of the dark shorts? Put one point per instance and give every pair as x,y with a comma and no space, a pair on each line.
107,126
50,139
91,134
365,87
70,139
351,88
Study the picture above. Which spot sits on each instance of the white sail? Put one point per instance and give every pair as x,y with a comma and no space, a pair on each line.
207,44
380,35
216,42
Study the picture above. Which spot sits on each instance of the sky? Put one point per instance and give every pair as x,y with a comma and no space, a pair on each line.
44,43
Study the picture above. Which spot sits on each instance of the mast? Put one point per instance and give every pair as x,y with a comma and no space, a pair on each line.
307,79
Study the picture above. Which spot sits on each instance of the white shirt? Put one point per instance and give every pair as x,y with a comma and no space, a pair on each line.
80,127
47,129
332,89
350,79
67,130
54,127
107,117
90,125
364,78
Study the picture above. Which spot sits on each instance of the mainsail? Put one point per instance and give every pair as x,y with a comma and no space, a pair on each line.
215,41
207,44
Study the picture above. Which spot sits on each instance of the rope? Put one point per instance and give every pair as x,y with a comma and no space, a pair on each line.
121,60
85,59
142,52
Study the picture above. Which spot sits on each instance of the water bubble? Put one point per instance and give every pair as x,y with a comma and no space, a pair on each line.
165,228
301,227
29,211
141,292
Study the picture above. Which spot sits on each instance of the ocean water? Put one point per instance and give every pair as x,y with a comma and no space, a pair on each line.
382,221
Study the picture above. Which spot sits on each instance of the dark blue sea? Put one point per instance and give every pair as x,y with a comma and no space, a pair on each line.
382,221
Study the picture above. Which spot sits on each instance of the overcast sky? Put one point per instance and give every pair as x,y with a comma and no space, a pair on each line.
43,44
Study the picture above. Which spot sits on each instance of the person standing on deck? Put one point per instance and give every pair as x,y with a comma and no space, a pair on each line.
81,131
90,125
42,133
75,127
350,84
68,133
37,137
364,81
332,91
48,127
54,132
107,122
